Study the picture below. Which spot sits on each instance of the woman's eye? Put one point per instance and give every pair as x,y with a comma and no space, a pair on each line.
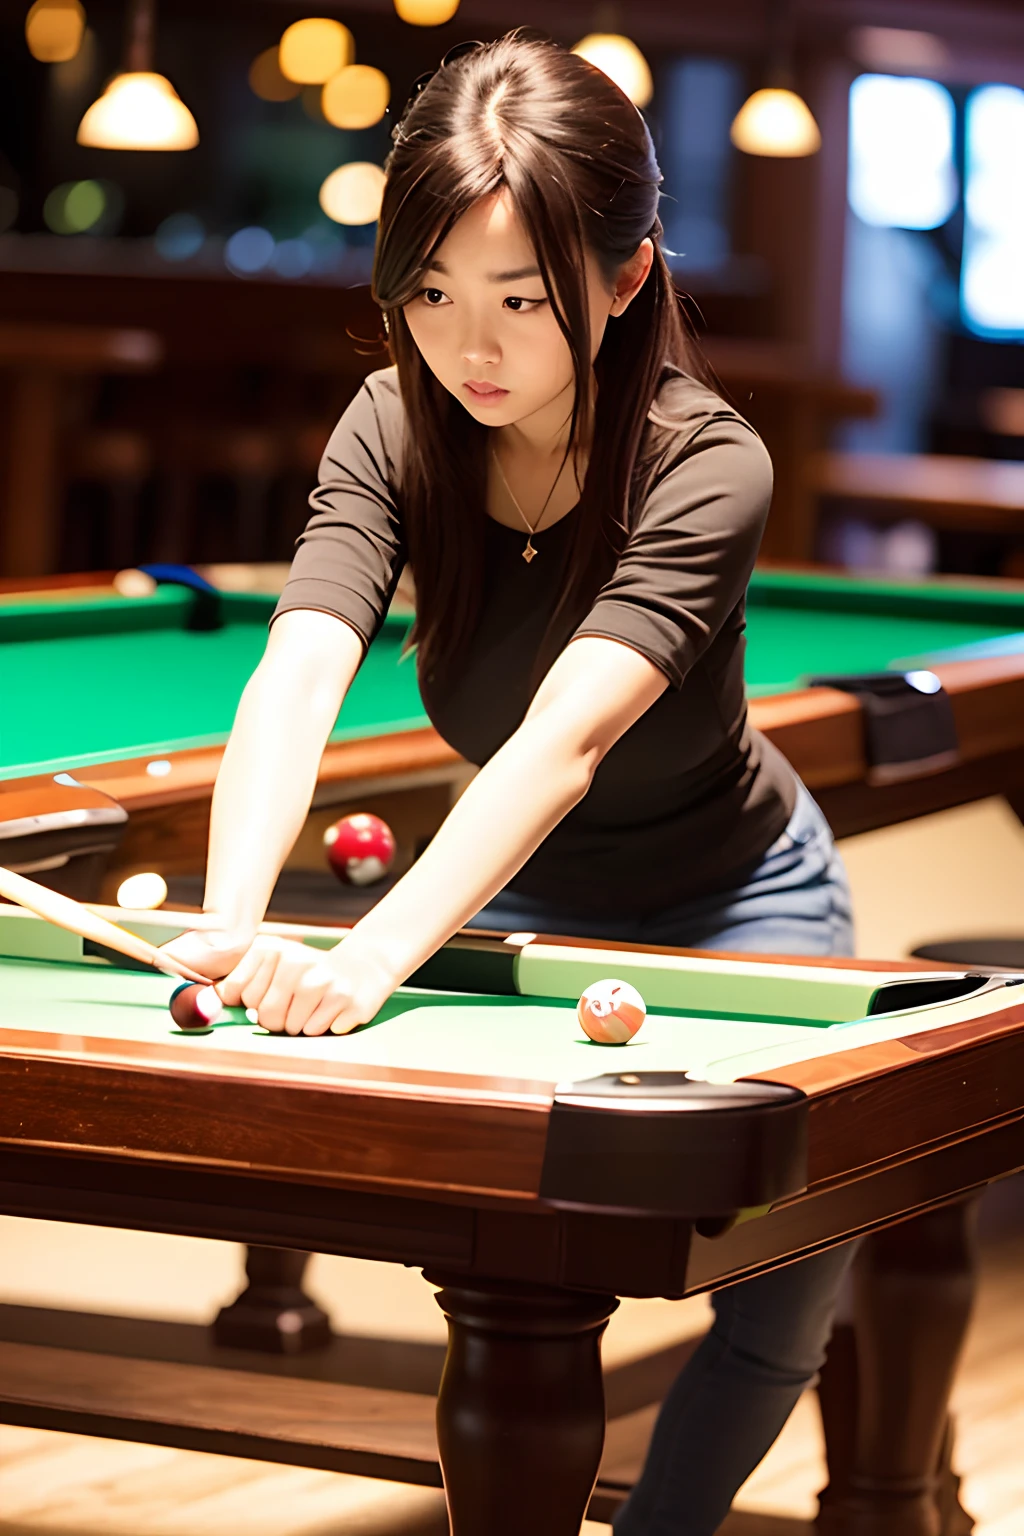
520,305
433,297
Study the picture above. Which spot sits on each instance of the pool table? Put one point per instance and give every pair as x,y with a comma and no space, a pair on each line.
135,697
766,1110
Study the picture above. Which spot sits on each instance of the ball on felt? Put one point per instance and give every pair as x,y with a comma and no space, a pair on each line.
611,1012
360,848
143,892
194,1006
133,583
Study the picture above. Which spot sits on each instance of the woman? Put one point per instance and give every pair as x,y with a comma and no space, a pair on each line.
581,512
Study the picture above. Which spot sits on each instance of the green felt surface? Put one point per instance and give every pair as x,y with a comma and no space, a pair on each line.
516,1038
511,1037
100,678
108,677
800,625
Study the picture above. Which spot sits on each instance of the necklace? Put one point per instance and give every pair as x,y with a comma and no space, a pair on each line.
530,549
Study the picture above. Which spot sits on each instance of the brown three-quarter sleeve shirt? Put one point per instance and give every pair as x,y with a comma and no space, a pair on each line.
688,800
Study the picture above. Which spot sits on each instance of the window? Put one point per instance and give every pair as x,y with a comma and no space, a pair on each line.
901,168
992,270
699,98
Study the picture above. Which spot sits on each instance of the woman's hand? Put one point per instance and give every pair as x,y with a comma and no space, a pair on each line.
297,990
213,951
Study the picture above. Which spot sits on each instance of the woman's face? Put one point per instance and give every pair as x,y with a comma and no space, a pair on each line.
485,326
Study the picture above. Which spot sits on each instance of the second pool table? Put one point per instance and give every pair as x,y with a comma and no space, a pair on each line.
135,697
767,1110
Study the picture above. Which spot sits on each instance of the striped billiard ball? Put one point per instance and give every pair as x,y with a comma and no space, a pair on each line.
611,1012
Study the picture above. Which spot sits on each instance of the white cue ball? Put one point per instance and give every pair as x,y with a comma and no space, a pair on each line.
134,583
142,892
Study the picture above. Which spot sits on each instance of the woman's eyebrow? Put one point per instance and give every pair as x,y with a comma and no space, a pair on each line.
514,276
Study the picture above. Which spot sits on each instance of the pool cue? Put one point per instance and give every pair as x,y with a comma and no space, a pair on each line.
71,915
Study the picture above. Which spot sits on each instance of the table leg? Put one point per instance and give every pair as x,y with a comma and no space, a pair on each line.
273,1313
913,1288
520,1414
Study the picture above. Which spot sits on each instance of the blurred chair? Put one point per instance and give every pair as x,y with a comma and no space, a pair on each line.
120,463
38,360
190,457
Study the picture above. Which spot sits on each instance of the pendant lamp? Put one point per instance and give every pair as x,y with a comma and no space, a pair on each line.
139,109
775,120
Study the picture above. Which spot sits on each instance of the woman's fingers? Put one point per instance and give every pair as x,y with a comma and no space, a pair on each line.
347,1020
318,1001
246,986
337,1013
298,991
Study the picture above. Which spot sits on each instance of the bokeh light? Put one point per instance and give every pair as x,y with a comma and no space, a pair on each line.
356,97
352,194
775,123
313,50
249,250
180,237
426,13
75,207
139,110
901,171
620,59
53,30
266,79
992,275
293,258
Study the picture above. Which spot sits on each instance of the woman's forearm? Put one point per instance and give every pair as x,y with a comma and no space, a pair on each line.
270,765
508,809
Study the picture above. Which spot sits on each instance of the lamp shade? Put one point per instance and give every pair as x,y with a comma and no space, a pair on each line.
777,123
620,59
139,111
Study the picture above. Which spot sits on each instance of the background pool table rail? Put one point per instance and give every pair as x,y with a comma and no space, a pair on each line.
821,730
385,749
406,757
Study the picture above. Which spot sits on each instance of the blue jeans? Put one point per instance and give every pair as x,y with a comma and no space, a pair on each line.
769,1335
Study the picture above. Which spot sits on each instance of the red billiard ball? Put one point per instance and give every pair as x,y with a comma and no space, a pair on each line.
194,1006
360,848
611,1012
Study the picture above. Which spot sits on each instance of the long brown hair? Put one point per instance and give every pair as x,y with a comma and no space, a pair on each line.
577,162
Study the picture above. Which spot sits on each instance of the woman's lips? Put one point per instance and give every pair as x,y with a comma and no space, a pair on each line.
484,394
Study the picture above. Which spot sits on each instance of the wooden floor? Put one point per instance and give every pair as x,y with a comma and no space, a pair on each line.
62,1485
